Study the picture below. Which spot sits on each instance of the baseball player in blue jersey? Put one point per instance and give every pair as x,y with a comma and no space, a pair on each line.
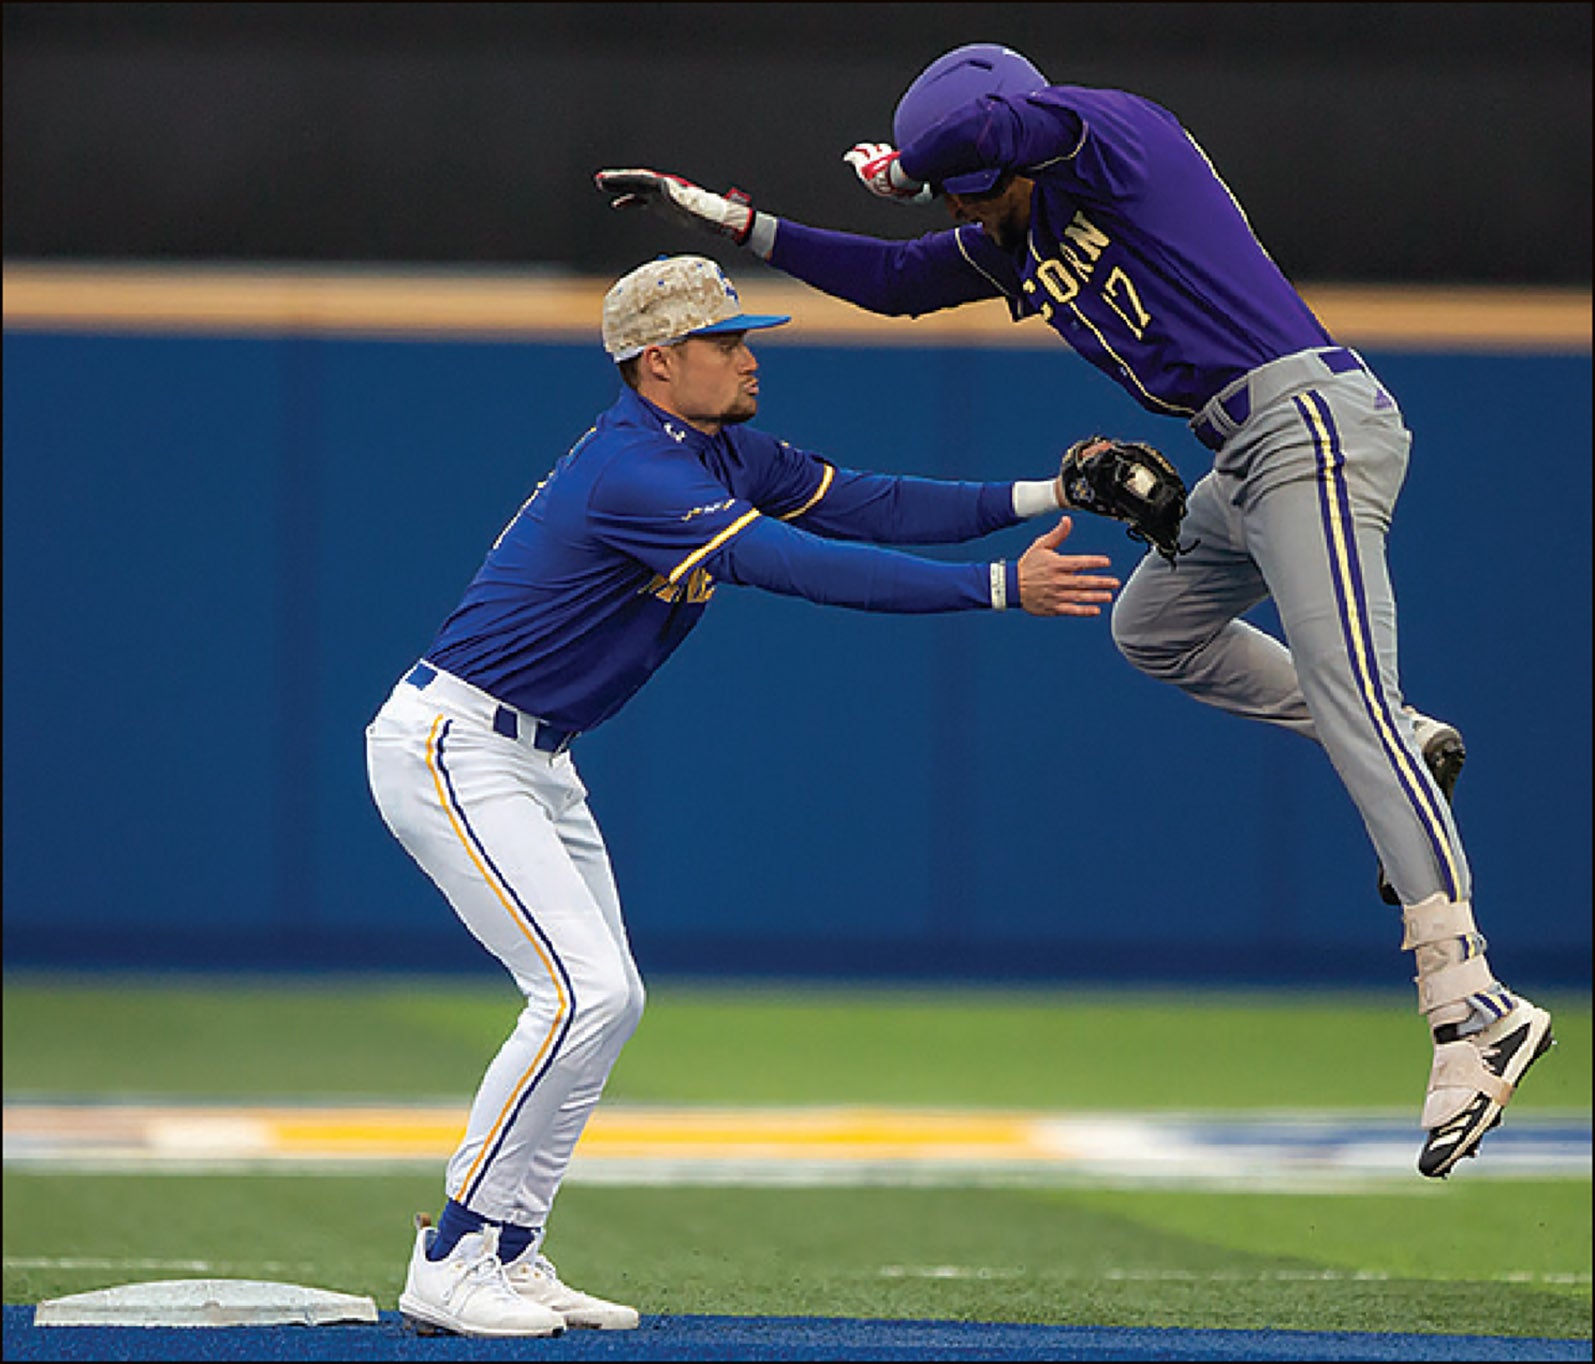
1097,211
592,585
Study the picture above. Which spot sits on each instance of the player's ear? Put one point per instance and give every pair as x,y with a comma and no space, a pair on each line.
655,362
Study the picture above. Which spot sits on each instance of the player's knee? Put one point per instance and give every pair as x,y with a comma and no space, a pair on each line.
1134,638
629,1011
611,1007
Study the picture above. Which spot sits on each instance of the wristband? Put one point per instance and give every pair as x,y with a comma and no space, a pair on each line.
1035,497
999,586
761,235
900,180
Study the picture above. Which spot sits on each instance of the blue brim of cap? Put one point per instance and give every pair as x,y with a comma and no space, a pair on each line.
742,322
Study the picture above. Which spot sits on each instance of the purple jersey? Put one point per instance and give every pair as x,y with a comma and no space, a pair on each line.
612,560
1138,254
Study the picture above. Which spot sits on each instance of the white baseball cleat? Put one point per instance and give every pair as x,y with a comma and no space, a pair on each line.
1473,1079
467,1293
535,1279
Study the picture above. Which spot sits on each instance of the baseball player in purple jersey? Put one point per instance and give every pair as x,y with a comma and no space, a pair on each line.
1097,211
600,575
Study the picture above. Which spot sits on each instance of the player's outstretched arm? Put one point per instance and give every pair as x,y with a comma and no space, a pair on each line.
1053,584
772,555
886,276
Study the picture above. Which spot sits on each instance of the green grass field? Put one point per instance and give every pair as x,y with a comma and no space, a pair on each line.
1472,1255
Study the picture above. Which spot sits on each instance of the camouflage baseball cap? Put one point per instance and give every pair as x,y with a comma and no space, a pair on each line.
672,298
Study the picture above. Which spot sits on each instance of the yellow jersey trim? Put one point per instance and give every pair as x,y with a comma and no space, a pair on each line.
825,484
703,551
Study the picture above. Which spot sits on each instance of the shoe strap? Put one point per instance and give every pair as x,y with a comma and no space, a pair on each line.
1435,920
1452,983
1460,1065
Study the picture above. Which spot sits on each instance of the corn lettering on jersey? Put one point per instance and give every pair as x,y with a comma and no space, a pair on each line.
1138,255
611,561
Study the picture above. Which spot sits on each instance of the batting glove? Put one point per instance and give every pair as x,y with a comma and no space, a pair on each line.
730,215
877,166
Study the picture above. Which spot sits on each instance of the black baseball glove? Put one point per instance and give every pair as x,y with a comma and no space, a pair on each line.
1130,482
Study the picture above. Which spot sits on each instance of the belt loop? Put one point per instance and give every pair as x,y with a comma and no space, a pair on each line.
552,741
506,721
1238,406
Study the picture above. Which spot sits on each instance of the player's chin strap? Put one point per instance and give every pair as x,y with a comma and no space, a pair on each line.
1452,969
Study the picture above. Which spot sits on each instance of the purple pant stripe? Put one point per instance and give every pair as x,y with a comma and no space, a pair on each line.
1351,599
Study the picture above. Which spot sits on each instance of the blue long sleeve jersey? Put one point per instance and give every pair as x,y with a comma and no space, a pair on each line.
610,563
1138,255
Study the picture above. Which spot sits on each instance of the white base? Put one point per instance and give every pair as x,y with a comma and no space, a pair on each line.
206,1302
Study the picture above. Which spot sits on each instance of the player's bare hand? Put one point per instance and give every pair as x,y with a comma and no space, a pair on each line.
1053,584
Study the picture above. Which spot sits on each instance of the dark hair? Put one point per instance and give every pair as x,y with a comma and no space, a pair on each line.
628,370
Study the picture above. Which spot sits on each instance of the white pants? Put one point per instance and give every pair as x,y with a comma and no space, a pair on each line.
505,833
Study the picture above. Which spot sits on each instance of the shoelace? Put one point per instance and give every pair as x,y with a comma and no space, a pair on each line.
478,1273
542,1267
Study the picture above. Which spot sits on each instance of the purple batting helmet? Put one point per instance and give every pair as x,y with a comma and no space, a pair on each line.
954,80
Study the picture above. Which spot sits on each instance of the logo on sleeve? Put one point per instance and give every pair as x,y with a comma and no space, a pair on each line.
711,509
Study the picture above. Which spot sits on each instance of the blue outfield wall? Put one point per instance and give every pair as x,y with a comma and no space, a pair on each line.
220,553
